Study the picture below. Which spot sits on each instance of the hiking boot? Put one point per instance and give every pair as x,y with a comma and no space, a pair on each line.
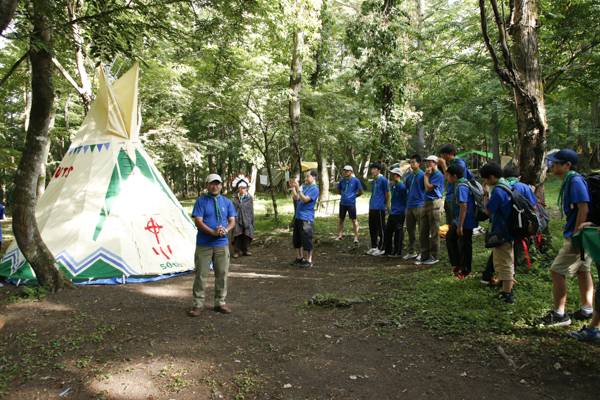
506,298
581,316
409,256
586,334
491,281
552,319
430,261
297,261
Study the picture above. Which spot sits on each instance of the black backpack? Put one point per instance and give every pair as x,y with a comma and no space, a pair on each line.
593,182
477,192
523,220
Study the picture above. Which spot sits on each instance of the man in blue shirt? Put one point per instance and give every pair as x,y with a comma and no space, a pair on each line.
459,239
415,190
305,217
350,188
380,195
431,213
448,158
499,205
214,216
395,223
573,200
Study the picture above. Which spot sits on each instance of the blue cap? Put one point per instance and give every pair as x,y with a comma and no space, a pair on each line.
563,156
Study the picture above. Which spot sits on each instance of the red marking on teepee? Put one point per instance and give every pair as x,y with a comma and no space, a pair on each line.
153,228
155,251
165,254
169,247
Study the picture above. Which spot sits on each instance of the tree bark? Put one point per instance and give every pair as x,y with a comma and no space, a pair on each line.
323,174
25,227
495,139
41,185
7,10
294,105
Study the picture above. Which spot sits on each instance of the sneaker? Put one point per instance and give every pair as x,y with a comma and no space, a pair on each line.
393,255
506,298
306,264
554,320
370,251
408,256
430,261
418,258
581,316
462,276
418,262
355,240
585,334
492,281
377,252
456,270
297,261
338,238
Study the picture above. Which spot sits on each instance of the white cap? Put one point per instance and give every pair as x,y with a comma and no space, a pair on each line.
213,177
348,168
396,171
431,158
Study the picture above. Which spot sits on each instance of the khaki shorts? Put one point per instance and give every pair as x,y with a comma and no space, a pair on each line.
504,264
567,263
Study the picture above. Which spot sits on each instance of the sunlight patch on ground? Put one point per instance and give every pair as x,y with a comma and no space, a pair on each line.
167,291
254,275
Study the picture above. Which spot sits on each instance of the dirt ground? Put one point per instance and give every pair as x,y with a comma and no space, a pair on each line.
136,341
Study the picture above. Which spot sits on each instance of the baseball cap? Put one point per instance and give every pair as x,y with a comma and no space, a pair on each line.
431,158
213,177
396,171
348,168
563,156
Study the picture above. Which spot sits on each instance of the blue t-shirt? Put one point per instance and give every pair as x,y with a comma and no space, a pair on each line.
467,174
500,204
464,196
205,208
576,191
306,211
1,218
398,193
415,189
526,191
436,180
378,188
349,191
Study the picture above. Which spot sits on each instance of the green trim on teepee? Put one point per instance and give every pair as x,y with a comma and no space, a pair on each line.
123,168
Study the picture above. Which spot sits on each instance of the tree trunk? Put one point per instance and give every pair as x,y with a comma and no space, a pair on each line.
41,185
595,117
421,140
212,159
253,176
294,105
495,139
224,162
322,170
268,162
25,227
7,10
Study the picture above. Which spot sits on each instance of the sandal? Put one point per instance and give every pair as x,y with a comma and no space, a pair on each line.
247,253
235,255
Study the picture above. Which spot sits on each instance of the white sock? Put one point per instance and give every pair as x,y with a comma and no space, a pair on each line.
560,313
587,310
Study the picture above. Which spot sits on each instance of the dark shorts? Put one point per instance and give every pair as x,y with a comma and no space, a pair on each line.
350,209
303,234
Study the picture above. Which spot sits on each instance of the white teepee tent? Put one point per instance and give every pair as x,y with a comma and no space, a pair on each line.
107,215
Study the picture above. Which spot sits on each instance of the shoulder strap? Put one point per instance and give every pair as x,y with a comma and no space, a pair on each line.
510,192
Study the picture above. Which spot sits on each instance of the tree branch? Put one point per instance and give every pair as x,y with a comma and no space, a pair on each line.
14,67
502,73
67,75
555,75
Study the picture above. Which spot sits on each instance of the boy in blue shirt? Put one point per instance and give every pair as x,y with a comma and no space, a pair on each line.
431,213
448,158
380,195
350,188
395,222
415,190
305,218
499,205
459,239
211,213
574,200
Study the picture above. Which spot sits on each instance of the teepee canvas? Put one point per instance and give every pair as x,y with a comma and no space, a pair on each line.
107,215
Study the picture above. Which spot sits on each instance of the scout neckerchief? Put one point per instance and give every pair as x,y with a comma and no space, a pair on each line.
375,185
242,198
306,188
561,193
414,179
512,180
347,184
219,217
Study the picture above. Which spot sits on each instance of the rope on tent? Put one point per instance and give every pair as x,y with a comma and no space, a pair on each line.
18,282
124,279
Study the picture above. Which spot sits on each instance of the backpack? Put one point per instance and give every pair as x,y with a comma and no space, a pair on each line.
542,214
523,220
593,182
477,192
